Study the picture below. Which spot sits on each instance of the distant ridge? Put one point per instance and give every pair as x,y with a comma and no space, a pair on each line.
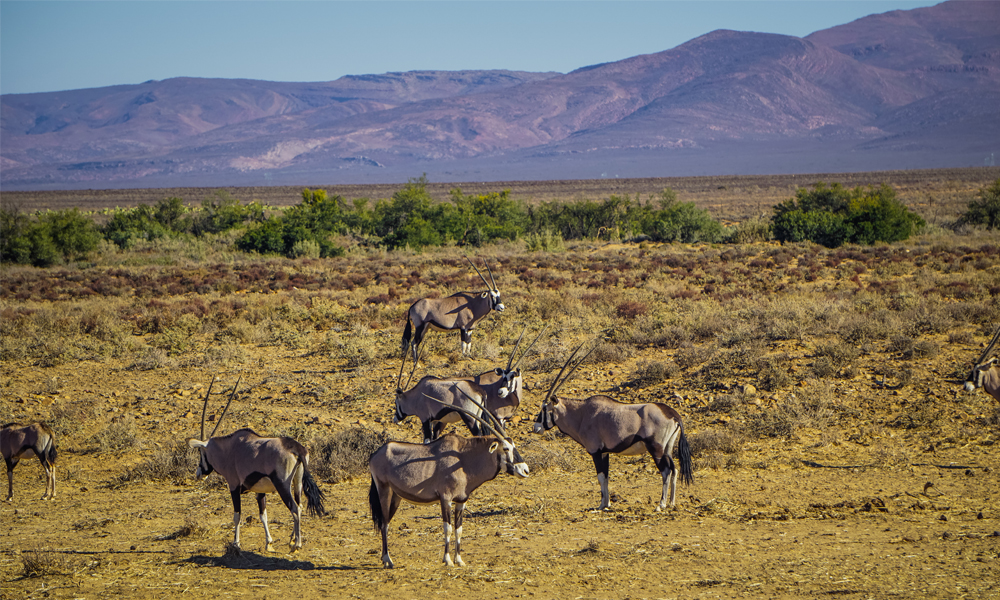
904,89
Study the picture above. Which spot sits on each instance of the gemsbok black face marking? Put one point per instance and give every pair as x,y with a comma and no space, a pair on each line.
498,390
460,311
250,463
25,441
445,471
985,373
605,426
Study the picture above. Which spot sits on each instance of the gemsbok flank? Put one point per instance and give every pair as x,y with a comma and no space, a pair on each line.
25,441
446,471
250,463
498,390
461,311
985,373
605,426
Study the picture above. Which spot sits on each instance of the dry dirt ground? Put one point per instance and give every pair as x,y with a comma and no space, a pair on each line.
891,517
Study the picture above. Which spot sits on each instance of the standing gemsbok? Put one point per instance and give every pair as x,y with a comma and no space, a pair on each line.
605,426
499,391
250,463
985,373
445,471
25,441
460,311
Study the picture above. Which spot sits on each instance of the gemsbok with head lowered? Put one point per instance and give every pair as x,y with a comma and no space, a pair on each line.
446,471
250,463
462,311
499,391
604,426
25,441
985,373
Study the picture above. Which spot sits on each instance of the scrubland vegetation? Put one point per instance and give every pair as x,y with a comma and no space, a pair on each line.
782,357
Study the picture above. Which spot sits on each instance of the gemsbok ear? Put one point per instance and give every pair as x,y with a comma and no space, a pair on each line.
494,446
485,294
498,371
193,443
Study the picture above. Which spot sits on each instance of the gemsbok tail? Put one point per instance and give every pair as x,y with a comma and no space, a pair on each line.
376,507
684,453
313,494
52,453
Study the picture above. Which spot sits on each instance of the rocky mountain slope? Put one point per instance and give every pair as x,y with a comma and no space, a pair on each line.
905,89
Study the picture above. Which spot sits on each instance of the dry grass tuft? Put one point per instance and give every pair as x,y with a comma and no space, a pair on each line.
345,454
36,563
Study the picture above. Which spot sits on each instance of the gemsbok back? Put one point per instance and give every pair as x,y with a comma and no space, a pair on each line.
499,391
25,441
250,463
605,426
445,471
462,311
985,373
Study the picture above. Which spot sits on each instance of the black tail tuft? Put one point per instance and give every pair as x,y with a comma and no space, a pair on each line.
314,495
376,507
684,454
52,454
407,333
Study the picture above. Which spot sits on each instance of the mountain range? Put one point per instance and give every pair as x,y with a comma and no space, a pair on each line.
899,90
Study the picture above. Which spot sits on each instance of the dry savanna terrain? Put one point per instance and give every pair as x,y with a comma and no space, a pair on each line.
835,452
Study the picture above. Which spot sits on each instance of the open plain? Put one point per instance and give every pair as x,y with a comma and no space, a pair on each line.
836,454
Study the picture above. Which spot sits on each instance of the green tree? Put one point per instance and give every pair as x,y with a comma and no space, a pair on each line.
984,209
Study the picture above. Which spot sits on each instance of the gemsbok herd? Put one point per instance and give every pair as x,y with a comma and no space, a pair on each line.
444,469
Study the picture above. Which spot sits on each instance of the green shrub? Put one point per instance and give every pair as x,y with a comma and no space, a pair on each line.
833,216
44,239
984,210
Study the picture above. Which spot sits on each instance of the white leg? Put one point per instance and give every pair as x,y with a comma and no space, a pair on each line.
447,539
236,526
268,546
459,510
605,494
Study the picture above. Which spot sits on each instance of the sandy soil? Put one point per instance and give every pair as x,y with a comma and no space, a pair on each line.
817,516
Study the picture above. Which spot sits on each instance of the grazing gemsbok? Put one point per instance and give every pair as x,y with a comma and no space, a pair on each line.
25,441
985,373
250,463
445,471
460,311
498,390
605,426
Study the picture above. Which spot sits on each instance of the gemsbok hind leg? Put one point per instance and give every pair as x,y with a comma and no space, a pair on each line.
663,457
296,509
262,506
459,511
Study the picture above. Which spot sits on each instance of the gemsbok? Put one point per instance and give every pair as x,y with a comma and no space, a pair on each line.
446,471
498,390
25,441
605,426
462,311
250,463
985,373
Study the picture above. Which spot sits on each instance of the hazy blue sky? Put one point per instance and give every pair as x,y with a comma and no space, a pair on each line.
52,46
